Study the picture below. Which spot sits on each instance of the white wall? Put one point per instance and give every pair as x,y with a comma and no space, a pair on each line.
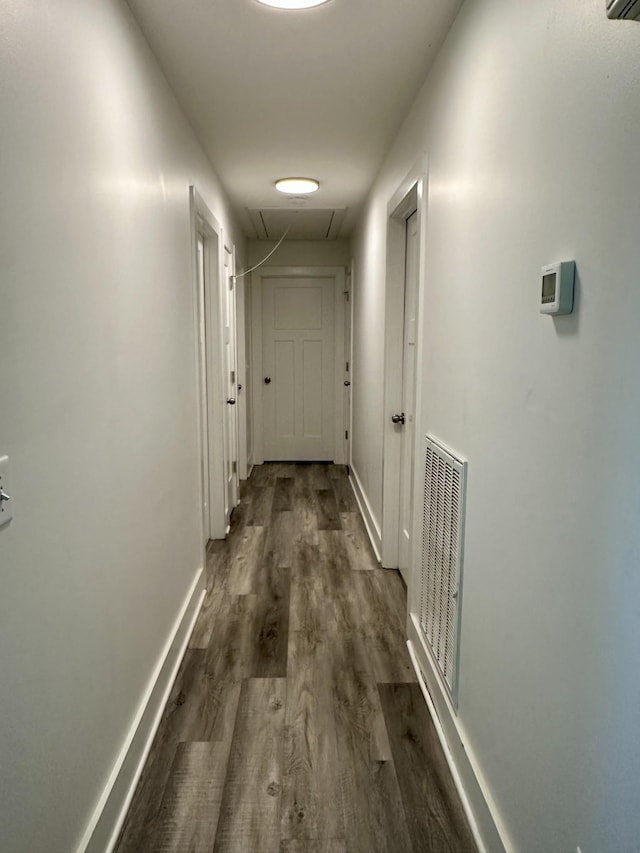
531,122
97,399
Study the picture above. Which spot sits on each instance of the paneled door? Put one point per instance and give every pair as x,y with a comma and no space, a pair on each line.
408,394
230,382
299,367
203,397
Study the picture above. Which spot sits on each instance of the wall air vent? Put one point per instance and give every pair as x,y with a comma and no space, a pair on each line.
627,9
442,549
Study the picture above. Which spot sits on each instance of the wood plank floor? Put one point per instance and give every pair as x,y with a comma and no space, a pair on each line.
296,724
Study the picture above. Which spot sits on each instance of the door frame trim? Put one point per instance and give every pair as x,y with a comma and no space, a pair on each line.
410,196
204,222
339,443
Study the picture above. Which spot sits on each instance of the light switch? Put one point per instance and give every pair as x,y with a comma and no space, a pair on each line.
6,512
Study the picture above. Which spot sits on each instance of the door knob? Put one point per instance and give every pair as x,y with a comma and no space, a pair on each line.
231,401
267,380
347,382
398,419
3,496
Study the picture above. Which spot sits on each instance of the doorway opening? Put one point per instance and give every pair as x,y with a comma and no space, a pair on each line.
403,344
206,237
299,364
230,382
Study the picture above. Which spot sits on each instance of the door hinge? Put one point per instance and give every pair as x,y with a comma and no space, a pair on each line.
234,467
347,367
346,295
233,376
346,433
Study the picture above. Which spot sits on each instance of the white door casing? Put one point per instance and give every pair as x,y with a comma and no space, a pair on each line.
298,344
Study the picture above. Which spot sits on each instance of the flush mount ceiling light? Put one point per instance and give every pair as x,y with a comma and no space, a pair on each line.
293,4
297,186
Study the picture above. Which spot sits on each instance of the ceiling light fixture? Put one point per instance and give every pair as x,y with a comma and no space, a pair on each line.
293,4
297,186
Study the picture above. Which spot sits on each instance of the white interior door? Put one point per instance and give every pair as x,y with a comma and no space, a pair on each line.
202,384
348,319
247,379
212,411
299,368
229,371
408,395
241,364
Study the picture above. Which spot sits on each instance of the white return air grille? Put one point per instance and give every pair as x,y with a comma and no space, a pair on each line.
628,9
442,533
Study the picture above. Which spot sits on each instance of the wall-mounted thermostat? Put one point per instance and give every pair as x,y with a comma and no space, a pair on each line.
557,288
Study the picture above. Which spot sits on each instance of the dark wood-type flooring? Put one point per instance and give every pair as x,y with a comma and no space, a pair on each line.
296,724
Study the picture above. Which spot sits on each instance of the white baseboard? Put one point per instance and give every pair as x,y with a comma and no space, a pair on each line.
370,523
109,814
484,820
486,825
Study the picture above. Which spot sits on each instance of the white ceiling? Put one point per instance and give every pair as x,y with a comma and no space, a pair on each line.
318,92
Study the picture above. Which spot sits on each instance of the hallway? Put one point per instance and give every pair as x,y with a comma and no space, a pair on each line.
296,723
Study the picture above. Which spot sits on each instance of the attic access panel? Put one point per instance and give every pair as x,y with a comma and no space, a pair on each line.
270,223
